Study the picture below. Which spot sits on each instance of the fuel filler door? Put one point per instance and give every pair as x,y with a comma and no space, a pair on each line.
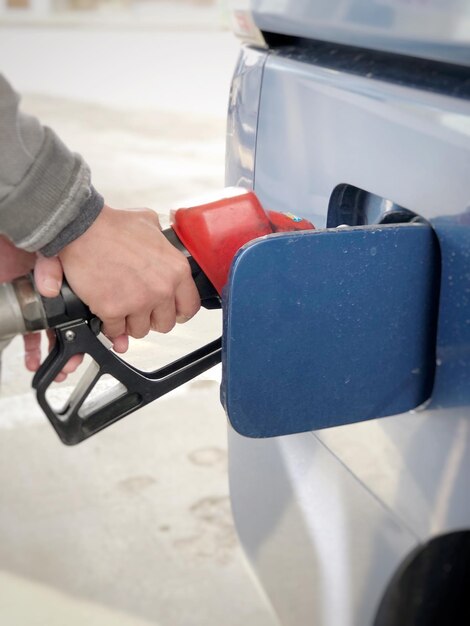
330,327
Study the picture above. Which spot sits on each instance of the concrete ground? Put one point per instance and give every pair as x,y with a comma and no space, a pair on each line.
134,526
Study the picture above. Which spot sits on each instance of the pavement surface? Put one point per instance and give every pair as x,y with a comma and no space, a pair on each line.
134,526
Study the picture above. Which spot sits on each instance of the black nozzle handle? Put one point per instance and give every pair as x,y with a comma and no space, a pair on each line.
86,412
81,416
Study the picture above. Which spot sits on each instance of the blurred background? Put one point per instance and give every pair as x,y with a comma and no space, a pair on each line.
46,8
133,526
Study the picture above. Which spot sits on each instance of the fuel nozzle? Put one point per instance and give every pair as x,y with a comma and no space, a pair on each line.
209,235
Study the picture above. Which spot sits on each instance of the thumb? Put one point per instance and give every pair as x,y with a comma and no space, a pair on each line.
48,276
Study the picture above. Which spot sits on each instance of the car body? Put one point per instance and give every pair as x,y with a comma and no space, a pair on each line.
346,112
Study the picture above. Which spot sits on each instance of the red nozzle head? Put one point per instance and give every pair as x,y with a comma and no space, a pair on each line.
287,222
213,232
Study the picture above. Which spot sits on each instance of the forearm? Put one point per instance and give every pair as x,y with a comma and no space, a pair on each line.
46,196
120,264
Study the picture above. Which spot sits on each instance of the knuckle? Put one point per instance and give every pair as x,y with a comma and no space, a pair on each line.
138,333
106,307
107,311
183,269
195,308
165,327
150,215
164,292
180,263
189,309
141,300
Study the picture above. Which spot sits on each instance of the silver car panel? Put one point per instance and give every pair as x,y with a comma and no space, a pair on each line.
435,29
341,508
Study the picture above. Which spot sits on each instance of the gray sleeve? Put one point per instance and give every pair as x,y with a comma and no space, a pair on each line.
46,196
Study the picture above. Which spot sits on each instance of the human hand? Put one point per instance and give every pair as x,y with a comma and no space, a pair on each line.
130,276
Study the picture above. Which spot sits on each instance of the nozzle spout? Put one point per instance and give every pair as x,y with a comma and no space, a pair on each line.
11,317
21,308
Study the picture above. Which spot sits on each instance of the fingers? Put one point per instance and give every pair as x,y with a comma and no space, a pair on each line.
113,327
138,325
163,316
32,355
188,301
121,344
48,276
168,311
32,351
73,363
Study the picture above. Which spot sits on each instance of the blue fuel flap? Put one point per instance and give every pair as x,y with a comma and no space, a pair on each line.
330,327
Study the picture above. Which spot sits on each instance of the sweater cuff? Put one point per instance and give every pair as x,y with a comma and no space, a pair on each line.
49,197
88,213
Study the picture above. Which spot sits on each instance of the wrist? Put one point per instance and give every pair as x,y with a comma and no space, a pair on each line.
94,231
88,214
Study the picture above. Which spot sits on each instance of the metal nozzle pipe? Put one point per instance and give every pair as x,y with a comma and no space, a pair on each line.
21,308
11,317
